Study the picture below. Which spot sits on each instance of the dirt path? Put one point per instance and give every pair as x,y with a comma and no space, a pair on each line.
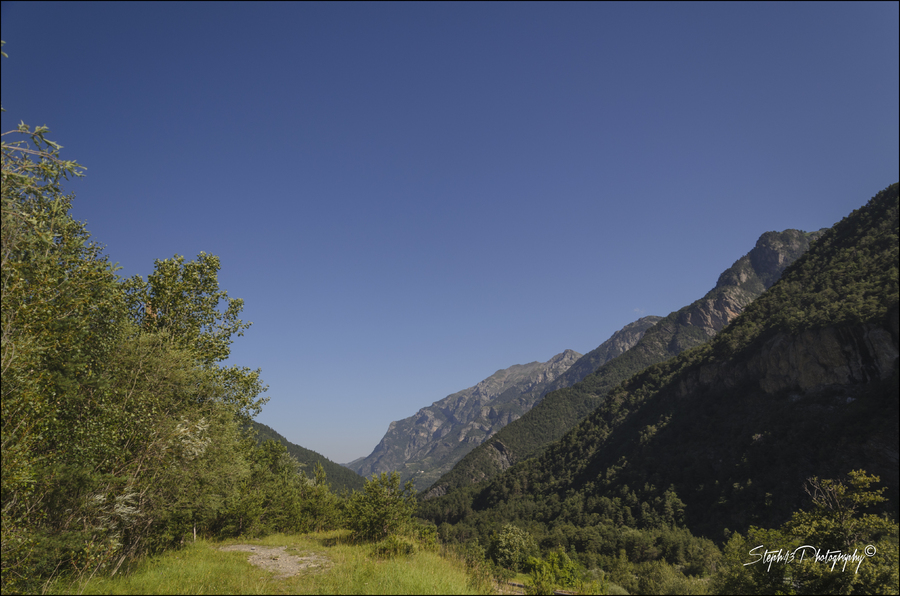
278,561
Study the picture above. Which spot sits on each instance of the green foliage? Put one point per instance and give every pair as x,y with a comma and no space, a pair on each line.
61,311
771,561
837,523
557,570
182,299
836,518
383,508
393,546
121,432
477,565
276,497
512,547
341,478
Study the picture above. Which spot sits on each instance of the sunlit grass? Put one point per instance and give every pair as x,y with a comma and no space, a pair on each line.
202,568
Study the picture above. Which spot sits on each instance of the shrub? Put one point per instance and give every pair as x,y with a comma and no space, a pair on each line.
391,547
383,508
512,547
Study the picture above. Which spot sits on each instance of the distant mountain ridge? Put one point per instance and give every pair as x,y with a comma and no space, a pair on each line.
688,327
619,342
425,445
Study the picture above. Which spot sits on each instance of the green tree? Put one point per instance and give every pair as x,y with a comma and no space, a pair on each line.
785,560
120,427
557,570
837,523
183,298
383,508
512,547
321,507
61,315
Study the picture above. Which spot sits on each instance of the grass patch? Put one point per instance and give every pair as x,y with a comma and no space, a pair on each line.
199,568
202,568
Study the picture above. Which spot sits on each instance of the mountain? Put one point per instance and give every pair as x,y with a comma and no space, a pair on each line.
339,477
688,327
805,382
427,444
619,342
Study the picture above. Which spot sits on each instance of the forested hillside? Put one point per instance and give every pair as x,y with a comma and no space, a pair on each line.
688,327
339,477
725,436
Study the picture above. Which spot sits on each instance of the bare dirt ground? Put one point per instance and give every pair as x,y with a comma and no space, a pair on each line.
277,560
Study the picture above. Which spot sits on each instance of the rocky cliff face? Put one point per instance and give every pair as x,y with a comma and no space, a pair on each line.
427,444
812,361
749,277
816,403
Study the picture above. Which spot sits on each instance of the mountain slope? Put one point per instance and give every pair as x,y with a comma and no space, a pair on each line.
804,383
427,444
338,476
688,327
619,342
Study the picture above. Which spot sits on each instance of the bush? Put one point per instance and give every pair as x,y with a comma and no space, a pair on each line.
512,547
557,570
383,508
391,547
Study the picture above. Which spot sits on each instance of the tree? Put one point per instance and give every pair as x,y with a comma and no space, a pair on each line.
837,526
119,425
61,315
512,547
182,299
832,548
382,509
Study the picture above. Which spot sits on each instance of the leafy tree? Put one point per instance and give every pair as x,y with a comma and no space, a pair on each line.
770,561
382,508
556,570
836,519
120,428
61,314
836,523
321,507
512,547
744,568
182,298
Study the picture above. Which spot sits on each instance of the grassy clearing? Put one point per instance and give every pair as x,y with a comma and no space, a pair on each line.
202,568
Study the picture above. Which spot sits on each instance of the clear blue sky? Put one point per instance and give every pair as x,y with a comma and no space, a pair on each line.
410,197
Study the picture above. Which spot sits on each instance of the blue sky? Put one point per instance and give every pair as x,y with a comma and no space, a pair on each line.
410,197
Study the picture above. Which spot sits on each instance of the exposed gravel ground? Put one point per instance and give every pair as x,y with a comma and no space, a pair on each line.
277,560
